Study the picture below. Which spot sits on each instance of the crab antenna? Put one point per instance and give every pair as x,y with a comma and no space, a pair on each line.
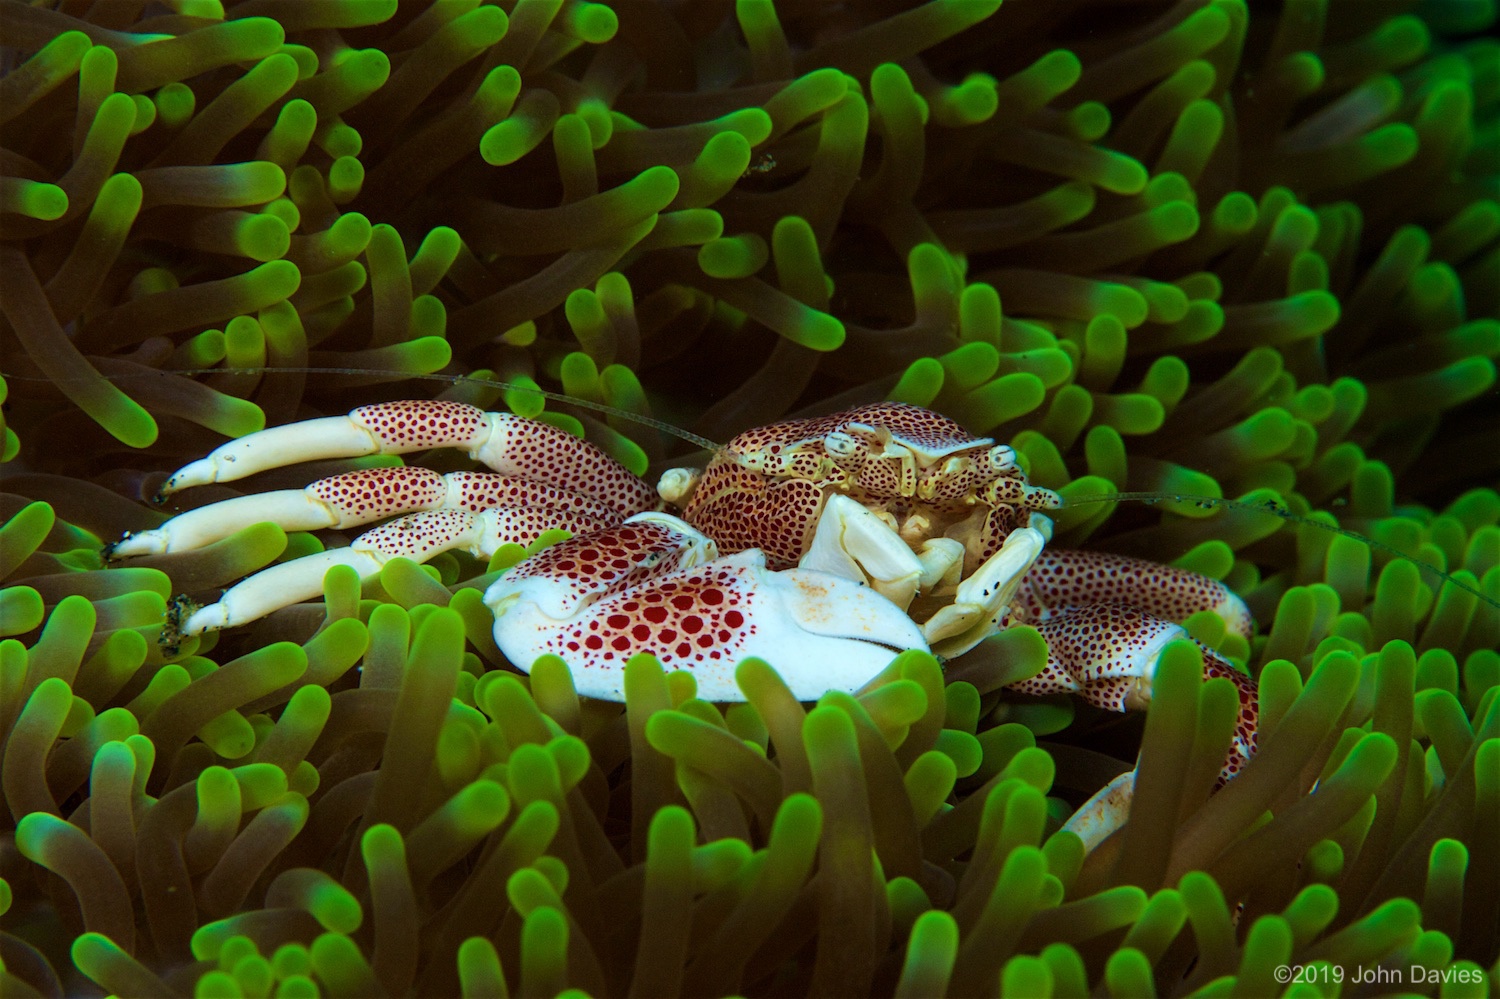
1280,510
598,407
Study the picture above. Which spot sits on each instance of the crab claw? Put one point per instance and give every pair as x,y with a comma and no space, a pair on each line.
821,631
983,599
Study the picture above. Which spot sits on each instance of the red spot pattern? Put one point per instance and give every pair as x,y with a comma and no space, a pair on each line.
546,467
418,535
483,490
1094,643
372,493
544,453
978,478
1062,579
882,478
998,523
689,618
1247,725
928,430
523,525
421,423
609,560
742,509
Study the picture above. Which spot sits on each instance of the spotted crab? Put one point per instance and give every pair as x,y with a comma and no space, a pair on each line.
821,545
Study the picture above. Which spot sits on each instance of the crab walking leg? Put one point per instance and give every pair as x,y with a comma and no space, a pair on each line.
1063,579
363,497
653,585
1105,812
1108,654
512,445
418,536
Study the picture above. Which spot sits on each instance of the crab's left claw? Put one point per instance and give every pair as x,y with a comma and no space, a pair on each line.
820,631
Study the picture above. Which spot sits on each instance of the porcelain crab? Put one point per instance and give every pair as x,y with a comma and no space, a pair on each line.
822,545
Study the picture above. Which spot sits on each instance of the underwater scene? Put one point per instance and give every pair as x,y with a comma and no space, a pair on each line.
1209,283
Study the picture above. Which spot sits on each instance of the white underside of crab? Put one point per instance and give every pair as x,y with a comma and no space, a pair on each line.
706,614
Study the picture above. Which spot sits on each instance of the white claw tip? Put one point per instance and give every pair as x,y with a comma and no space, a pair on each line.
139,543
210,617
197,473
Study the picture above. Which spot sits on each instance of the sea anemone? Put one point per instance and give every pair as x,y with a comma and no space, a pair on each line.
1182,250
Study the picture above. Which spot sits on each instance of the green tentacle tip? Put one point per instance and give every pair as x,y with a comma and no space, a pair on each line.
920,383
594,23
971,102
21,610
523,335
1120,174
813,328
580,374
34,199
733,256
521,132
753,123
1008,397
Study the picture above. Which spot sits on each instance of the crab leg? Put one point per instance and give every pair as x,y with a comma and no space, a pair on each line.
1063,578
363,497
1106,619
1121,681
1108,654
417,536
512,445
653,585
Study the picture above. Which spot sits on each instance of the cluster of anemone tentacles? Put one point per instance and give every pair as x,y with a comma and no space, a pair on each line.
1174,246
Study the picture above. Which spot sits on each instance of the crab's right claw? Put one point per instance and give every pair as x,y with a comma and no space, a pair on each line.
820,632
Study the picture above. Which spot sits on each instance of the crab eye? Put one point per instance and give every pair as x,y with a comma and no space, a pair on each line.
1002,458
839,444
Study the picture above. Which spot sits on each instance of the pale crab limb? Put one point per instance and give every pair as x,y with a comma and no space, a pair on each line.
983,598
823,632
1098,818
512,445
942,563
418,536
1063,579
677,484
363,497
